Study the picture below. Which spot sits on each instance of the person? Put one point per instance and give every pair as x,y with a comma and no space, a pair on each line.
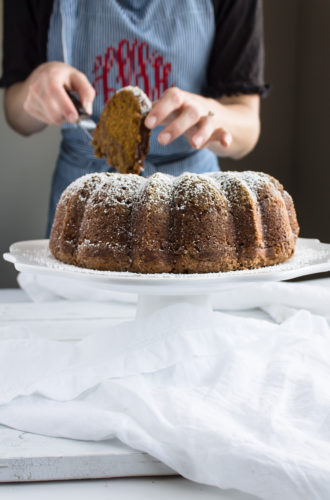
200,62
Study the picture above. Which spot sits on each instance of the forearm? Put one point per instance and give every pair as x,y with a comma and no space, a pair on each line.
21,121
241,121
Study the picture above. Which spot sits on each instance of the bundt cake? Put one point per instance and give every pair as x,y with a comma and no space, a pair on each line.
195,223
121,135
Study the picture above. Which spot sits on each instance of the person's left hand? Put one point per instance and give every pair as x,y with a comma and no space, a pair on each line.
197,117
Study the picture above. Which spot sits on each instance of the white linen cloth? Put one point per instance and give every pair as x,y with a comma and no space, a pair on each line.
234,402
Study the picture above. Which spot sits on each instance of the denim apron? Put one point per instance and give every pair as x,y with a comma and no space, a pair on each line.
154,44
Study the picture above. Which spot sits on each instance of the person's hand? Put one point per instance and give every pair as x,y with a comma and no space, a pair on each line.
197,117
46,98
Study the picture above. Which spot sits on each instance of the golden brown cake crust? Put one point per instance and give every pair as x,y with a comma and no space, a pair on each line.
195,223
121,136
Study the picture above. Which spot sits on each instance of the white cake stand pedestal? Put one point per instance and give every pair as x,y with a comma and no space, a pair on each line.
148,304
156,291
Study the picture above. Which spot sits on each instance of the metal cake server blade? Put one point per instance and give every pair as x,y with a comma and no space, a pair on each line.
84,121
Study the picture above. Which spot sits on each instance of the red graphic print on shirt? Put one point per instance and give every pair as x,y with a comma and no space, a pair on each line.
132,64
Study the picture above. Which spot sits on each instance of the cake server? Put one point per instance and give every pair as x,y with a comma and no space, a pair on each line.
85,122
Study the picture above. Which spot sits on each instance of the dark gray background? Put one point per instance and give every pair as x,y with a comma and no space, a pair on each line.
294,144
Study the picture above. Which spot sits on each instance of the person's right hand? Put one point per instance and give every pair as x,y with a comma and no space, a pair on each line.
46,98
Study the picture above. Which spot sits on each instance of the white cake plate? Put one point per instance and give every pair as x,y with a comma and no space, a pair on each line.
158,290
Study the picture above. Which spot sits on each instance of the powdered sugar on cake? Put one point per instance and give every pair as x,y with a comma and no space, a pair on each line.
117,188
218,221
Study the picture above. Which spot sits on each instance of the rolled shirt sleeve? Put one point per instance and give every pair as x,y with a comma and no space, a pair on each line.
25,30
236,64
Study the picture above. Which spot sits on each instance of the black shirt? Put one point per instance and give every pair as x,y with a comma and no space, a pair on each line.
236,64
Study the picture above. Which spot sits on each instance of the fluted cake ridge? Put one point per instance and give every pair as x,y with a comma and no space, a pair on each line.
219,221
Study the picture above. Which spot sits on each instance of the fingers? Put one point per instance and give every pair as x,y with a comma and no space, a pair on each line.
170,102
186,119
47,99
189,114
207,132
79,83
176,108
50,103
44,107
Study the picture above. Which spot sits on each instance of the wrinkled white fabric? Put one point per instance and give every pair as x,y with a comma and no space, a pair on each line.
45,288
234,402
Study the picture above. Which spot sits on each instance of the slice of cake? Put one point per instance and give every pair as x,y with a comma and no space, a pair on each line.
121,136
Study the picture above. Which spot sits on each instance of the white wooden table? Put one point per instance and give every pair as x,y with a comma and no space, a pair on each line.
34,466
158,488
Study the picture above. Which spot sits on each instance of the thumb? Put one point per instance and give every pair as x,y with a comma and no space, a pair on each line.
80,84
223,136
226,139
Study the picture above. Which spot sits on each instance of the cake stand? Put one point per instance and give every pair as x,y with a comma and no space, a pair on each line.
159,290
